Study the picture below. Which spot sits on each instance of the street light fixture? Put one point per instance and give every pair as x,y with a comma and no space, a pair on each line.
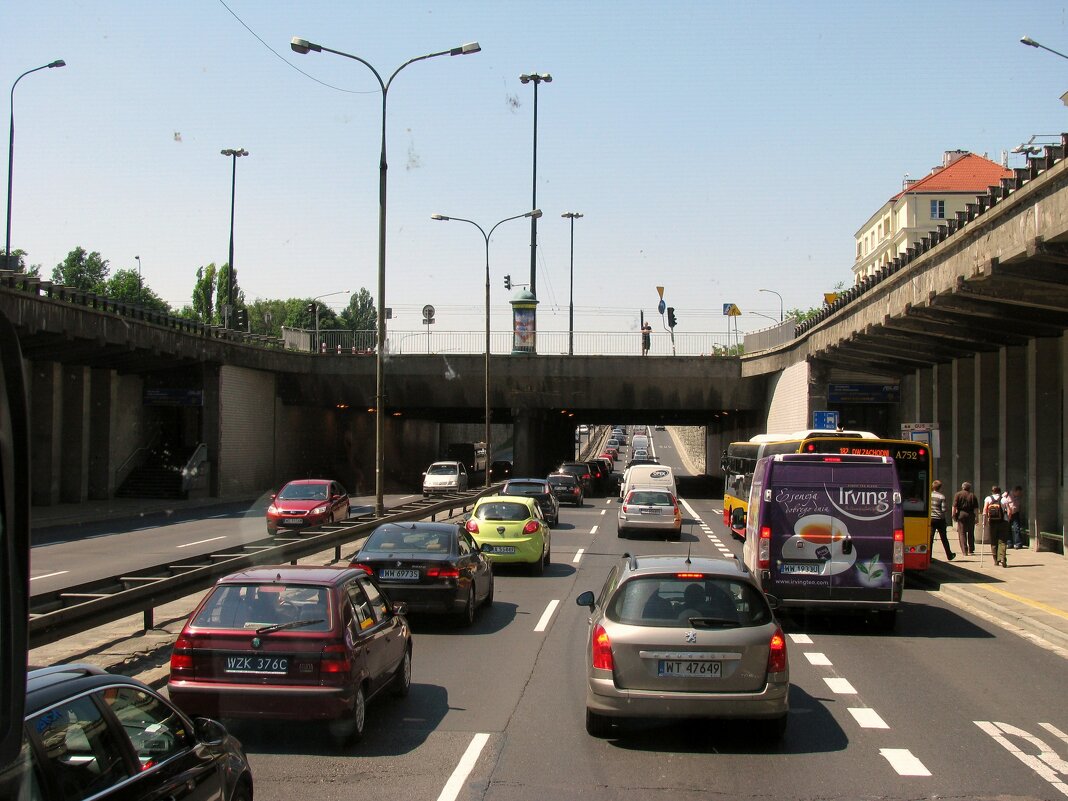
11,151
535,214
571,215
235,155
1027,40
318,345
140,286
304,46
772,291
534,78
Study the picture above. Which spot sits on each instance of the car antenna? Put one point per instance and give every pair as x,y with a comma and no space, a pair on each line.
689,545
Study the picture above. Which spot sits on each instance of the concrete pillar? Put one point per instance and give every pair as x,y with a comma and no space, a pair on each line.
1012,412
924,396
46,427
986,433
942,403
962,449
819,373
102,407
213,424
1046,360
74,466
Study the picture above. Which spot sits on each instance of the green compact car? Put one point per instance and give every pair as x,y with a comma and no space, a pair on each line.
511,530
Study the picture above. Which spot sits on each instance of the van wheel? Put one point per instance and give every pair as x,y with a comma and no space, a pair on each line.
597,725
621,532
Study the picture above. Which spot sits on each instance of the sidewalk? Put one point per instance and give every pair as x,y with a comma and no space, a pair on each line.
1030,596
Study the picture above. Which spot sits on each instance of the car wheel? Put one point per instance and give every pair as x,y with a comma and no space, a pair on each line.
621,532
467,616
537,568
489,595
349,729
548,553
597,725
402,679
242,792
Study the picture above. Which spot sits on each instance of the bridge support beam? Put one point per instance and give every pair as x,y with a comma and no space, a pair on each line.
1047,422
1012,407
942,403
74,435
102,406
963,440
46,423
986,432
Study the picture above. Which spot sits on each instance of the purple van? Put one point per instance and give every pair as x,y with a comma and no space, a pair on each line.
826,532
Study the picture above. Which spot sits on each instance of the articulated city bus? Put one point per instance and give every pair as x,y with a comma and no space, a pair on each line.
912,459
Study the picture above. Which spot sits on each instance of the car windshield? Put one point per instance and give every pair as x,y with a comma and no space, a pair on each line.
417,540
563,481
678,601
254,606
303,492
524,488
443,470
501,510
650,498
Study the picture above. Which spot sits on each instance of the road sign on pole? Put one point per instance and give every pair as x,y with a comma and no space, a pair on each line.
660,292
661,306
825,421
731,310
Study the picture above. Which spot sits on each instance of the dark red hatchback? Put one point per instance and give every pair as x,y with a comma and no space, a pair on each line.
292,642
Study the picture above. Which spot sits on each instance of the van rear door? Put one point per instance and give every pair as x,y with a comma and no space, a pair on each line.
800,538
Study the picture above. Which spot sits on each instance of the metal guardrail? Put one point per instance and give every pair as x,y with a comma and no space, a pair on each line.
72,610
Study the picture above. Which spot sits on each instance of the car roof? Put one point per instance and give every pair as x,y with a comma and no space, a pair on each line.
528,480
309,481
304,574
440,528
48,686
562,475
679,563
526,500
446,461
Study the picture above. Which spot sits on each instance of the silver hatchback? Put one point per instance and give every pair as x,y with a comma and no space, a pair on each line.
649,509
683,637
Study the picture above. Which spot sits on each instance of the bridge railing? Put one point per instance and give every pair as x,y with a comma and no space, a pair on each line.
550,343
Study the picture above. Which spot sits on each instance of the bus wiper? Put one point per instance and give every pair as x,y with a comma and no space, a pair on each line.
293,624
709,622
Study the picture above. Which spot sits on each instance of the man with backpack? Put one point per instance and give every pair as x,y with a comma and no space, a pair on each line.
996,522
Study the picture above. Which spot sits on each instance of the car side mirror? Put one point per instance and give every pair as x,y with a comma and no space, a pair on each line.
400,608
209,732
586,599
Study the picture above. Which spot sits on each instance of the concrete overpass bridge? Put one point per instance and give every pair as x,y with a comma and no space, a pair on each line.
965,331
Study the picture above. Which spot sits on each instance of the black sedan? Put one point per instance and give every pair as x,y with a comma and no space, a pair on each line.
432,567
540,491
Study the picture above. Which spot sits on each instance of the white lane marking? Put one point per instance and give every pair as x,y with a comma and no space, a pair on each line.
867,718
49,575
603,511
403,498
543,623
458,779
1046,764
201,542
593,530
801,639
902,760
1055,731
840,686
578,554
816,658
689,510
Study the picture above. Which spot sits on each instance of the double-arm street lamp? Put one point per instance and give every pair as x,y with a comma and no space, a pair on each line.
534,78
488,410
11,153
318,345
773,292
304,46
235,154
571,215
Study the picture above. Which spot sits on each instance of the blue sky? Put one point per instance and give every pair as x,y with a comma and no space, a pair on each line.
714,148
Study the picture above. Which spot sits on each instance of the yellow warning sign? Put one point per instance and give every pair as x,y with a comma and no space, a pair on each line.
660,292
830,297
731,310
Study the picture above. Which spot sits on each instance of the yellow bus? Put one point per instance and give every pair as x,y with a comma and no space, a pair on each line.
912,459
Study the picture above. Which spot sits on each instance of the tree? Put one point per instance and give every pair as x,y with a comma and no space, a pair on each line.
87,271
204,294
360,314
222,291
126,286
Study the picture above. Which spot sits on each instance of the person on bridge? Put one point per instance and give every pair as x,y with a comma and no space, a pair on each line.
965,505
647,335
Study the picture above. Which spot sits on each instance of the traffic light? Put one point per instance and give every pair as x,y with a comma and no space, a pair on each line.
508,282
241,318
671,317
311,308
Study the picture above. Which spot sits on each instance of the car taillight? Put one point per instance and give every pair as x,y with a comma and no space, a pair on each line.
442,572
365,568
689,576
899,551
471,526
335,659
586,476
182,656
764,548
777,652
530,527
602,648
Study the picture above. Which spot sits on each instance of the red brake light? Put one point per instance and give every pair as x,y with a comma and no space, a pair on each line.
530,527
832,458
365,568
471,526
764,548
586,475
335,659
182,655
602,648
689,575
777,653
442,572
899,551
810,448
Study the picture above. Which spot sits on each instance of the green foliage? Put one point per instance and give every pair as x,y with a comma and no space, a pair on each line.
360,314
126,286
204,294
86,271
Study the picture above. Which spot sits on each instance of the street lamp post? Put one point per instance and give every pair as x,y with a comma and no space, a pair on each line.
772,291
534,78
235,155
1027,40
140,286
571,215
11,150
318,347
488,409
304,46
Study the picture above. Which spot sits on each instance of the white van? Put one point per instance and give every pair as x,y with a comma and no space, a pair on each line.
648,475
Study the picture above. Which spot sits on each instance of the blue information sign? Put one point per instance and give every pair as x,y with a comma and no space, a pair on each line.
825,421
661,306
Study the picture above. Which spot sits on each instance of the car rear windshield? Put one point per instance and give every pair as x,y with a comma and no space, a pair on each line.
524,488
303,492
443,470
688,602
502,511
253,606
566,481
409,540
650,498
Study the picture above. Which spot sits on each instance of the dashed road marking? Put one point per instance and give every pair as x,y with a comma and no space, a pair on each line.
867,718
816,658
578,554
840,686
801,639
593,530
201,542
546,616
902,760
49,575
458,780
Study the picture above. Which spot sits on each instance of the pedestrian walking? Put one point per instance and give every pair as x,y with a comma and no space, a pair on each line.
996,523
1017,519
965,505
938,519
647,336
